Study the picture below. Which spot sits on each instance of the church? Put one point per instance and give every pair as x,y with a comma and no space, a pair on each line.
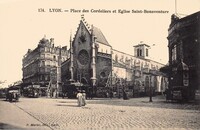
95,63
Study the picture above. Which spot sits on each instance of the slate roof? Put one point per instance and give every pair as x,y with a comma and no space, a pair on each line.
100,37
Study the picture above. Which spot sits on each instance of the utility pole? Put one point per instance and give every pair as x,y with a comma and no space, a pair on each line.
150,89
111,70
58,72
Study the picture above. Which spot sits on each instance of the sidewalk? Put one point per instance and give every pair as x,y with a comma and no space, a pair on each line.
12,117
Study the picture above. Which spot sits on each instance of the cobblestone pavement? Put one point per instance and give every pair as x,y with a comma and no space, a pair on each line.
12,117
111,114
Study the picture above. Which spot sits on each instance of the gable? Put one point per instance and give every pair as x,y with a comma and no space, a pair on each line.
96,31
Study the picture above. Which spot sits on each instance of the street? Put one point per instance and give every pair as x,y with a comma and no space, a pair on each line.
99,113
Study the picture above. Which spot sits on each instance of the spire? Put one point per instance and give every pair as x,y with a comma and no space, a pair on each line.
70,40
82,17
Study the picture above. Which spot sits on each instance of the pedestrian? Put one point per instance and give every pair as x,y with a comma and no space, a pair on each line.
79,98
124,95
111,94
107,94
83,98
89,93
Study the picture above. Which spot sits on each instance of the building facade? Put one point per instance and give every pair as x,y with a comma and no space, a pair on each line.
94,62
184,55
42,66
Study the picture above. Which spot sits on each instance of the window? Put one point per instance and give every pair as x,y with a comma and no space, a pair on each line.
102,74
48,62
47,49
174,54
54,57
42,63
48,56
41,49
42,55
138,52
147,52
41,77
83,57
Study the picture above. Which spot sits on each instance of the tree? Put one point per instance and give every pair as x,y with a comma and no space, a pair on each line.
2,82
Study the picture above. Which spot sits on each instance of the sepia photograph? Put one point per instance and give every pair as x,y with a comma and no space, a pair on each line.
100,65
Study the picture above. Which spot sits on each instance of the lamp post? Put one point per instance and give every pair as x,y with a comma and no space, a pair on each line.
150,89
150,73
154,73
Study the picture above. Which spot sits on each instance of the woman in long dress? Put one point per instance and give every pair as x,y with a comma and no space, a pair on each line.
83,98
79,97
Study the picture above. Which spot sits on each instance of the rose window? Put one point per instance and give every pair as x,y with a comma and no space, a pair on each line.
83,57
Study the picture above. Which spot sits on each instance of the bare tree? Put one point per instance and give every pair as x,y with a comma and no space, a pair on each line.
2,82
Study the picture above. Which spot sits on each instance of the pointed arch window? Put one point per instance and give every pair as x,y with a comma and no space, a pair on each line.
174,54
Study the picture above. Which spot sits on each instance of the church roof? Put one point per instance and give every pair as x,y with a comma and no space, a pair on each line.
100,37
96,31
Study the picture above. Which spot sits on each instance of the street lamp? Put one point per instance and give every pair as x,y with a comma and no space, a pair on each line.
150,73
150,89
154,73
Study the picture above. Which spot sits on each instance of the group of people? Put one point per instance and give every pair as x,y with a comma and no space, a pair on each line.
81,96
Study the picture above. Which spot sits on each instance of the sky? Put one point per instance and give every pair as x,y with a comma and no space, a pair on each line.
22,26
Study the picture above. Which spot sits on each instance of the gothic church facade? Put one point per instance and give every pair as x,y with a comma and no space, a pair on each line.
94,62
